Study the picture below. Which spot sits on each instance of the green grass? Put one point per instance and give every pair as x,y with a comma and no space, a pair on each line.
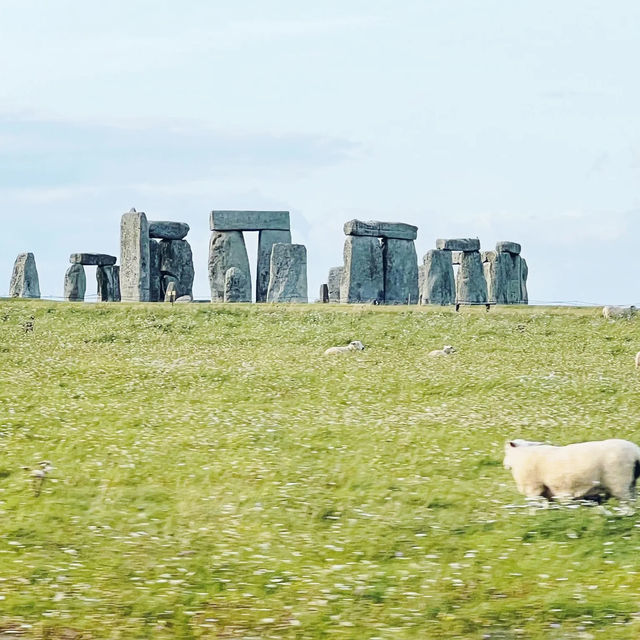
216,476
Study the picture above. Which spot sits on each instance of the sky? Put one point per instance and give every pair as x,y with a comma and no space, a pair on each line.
502,119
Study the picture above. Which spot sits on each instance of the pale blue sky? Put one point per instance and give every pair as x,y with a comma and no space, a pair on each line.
514,120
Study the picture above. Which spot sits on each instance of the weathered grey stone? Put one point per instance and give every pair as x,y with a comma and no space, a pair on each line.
249,220
184,299
75,283
236,286
524,273
134,257
375,229
508,247
155,277
333,283
439,278
422,279
266,240
503,273
108,278
226,250
456,257
24,278
288,273
471,286
400,265
324,293
92,259
458,244
363,274
170,290
176,260
168,230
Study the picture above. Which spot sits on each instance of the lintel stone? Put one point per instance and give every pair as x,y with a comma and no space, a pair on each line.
458,244
375,229
249,220
92,259
508,247
168,230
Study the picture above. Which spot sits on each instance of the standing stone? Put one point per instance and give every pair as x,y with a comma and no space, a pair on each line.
400,265
333,283
503,273
24,279
134,257
176,260
524,273
363,274
108,283
422,279
75,283
226,250
288,273
471,286
492,275
439,278
324,293
155,277
236,286
266,240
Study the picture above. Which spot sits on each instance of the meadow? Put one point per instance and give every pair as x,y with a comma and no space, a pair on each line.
215,476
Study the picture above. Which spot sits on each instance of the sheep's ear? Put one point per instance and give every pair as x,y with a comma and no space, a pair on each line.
512,443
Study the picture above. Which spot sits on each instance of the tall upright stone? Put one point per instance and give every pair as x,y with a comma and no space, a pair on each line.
134,257
108,280
363,273
503,269
75,283
176,260
439,279
524,273
471,286
333,283
24,279
266,239
324,293
226,249
236,286
288,273
155,277
400,265
422,279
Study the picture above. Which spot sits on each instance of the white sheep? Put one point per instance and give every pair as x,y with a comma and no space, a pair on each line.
354,345
638,359
581,470
445,351
611,311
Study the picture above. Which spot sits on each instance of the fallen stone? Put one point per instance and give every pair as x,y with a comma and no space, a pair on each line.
375,229
92,259
363,273
458,244
75,283
471,286
134,257
184,299
24,278
508,247
108,278
249,220
226,250
288,273
333,283
168,230
439,278
266,240
324,293
236,286
176,260
400,265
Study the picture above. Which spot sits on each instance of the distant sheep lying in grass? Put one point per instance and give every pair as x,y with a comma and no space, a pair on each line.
638,359
618,312
581,470
354,345
445,351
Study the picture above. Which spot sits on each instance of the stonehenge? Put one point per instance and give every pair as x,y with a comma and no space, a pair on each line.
380,263
24,279
107,277
281,267
438,281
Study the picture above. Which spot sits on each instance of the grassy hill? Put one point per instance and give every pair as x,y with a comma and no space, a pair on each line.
216,476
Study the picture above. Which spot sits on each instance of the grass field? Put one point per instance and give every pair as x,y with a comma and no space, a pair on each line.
216,476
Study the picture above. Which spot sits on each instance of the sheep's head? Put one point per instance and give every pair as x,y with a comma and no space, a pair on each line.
448,349
356,345
512,445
